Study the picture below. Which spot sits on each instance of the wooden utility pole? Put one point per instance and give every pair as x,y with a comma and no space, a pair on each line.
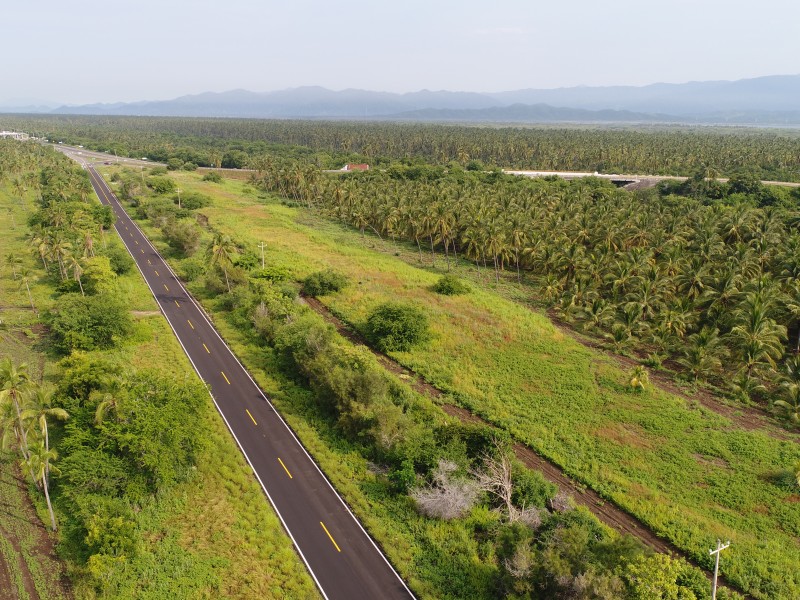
720,548
262,245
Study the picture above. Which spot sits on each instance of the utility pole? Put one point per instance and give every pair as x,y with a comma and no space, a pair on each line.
262,245
720,548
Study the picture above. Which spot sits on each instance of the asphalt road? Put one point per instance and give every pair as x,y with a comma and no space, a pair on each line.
343,560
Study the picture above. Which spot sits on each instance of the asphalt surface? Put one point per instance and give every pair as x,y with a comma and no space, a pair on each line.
343,560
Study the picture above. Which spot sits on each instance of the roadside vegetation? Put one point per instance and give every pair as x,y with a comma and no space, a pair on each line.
401,463
124,456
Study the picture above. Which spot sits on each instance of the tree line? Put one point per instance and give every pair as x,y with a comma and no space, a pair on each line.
237,143
704,283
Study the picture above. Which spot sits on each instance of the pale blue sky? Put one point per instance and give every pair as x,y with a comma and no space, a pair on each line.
83,51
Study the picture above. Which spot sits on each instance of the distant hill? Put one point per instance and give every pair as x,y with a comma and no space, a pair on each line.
533,113
296,102
773,100
762,94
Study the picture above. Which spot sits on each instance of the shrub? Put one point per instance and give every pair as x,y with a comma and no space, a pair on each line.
183,236
87,323
235,159
450,285
274,273
448,497
173,164
161,185
119,258
189,166
158,171
397,327
193,200
98,275
213,177
192,269
322,283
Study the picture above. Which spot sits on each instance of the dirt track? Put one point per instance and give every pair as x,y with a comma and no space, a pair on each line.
604,510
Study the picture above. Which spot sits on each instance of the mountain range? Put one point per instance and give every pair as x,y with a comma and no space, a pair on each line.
772,100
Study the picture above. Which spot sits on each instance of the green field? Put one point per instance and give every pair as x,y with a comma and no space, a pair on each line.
690,474
212,536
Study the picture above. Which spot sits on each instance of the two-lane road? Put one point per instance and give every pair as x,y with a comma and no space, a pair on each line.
343,560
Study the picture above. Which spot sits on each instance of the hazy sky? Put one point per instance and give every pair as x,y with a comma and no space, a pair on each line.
81,51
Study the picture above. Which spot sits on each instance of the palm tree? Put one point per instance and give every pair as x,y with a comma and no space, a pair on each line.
25,278
110,398
789,402
758,338
14,384
639,378
703,353
38,407
60,248
88,243
73,263
13,261
220,252
39,462
40,243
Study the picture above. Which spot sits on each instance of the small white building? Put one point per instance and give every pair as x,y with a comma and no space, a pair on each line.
14,135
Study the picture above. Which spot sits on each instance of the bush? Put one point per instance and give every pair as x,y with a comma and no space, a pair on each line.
322,283
173,164
183,236
193,201
119,257
161,185
235,159
397,327
192,269
158,171
189,166
450,285
98,276
273,273
212,177
88,323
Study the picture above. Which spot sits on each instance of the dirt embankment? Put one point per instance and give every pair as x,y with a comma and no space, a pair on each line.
604,510
26,540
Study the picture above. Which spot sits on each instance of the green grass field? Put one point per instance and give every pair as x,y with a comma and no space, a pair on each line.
213,536
690,474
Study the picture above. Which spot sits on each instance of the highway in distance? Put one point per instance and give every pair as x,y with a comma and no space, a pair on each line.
343,560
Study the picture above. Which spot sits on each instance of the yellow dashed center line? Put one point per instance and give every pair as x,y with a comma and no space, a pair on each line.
176,304
142,250
137,242
190,323
226,379
206,347
245,410
165,287
285,469
148,262
157,275
333,541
